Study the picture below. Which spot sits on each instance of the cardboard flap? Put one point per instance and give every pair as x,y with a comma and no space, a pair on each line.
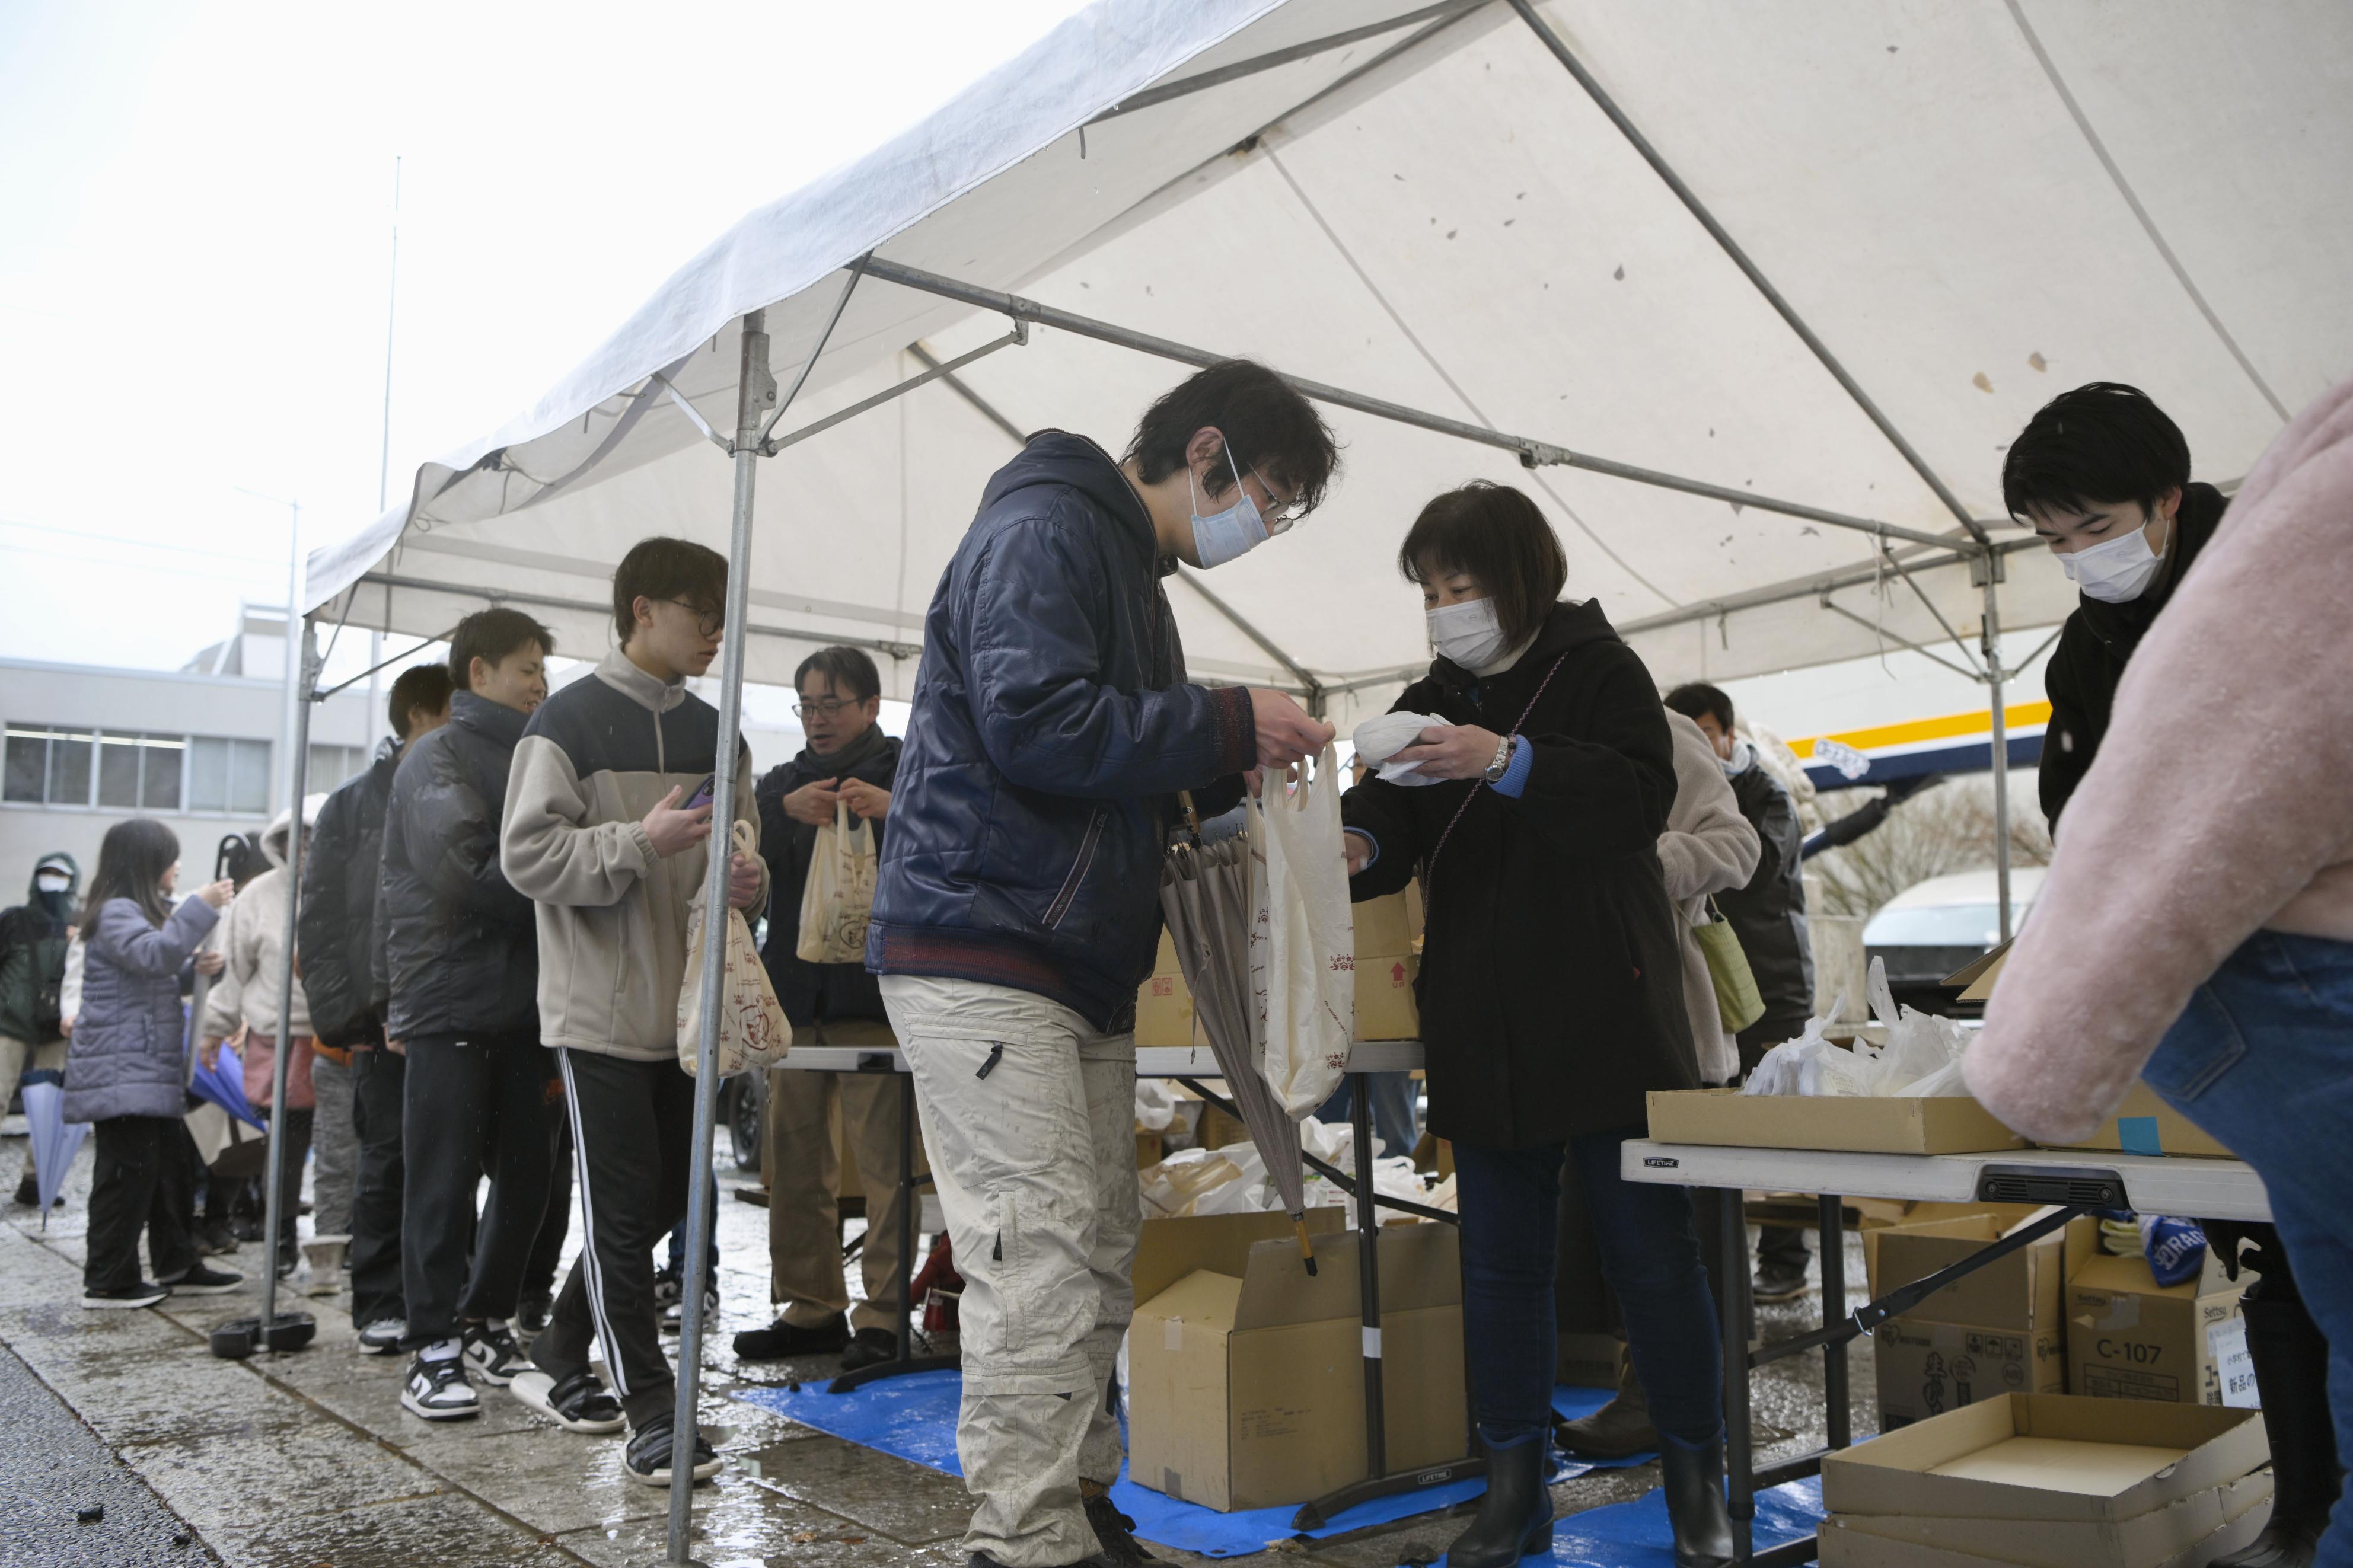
2106,1271
1201,1302
1985,969
1420,1267
1169,1250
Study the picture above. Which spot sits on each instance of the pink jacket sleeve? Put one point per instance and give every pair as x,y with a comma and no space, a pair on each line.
2224,787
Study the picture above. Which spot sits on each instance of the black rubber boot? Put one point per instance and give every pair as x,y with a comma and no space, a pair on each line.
1619,1430
2291,1361
1695,1505
1516,1516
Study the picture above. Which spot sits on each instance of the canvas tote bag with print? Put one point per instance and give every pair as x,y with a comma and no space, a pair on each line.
1303,936
753,1029
837,900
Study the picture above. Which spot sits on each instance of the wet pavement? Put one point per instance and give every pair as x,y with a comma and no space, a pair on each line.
305,1459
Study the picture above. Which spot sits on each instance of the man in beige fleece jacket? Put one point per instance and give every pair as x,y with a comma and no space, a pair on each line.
601,829
2201,904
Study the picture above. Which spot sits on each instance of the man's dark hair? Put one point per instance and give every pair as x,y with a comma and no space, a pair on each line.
2102,442
422,689
1496,535
853,674
490,635
131,860
679,570
1267,426
1695,697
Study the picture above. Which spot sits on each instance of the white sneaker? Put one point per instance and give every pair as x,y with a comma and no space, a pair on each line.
438,1390
491,1354
382,1337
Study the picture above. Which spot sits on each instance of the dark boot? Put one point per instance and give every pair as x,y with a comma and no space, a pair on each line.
1619,1430
1516,1516
1695,1505
2292,1377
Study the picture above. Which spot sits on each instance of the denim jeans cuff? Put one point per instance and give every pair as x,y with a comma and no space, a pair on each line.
1691,1448
1511,1436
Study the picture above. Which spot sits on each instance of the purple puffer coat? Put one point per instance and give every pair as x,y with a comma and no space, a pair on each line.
128,1051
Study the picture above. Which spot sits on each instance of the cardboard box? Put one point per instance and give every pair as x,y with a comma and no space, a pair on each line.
2020,1293
2193,1531
2130,1338
1928,1368
2145,1124
1247,1389
1387,965
2050,1458
1168,1249
1164,1005
1950,1125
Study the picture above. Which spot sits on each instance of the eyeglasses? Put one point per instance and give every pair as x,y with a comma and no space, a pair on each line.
824,708
709,622
1279,516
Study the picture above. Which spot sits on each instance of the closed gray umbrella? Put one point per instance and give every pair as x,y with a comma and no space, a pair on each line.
1205,893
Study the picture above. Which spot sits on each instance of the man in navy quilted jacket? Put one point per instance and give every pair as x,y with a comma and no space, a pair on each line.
1018,905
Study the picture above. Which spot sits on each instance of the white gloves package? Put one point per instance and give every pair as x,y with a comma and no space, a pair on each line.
1380,738
1921,1060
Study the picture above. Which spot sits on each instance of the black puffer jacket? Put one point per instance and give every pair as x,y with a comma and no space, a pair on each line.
1768,915
812,992
460,946
2095,646
33,945
1551,983
335,933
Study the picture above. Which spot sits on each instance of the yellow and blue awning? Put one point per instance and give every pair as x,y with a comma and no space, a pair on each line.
1954,744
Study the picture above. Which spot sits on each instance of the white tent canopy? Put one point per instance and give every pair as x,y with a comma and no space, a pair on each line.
1971,207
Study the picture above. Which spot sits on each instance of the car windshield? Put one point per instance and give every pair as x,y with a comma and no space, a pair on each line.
1936,925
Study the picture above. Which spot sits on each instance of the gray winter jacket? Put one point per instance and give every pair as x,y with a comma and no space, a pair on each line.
129,1055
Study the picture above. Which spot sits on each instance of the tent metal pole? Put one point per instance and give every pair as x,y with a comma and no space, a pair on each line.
1731,248
548,601
1959,642
756,393
301,678
381,665
1018,336
1189,85
1902,642
1805,588
1990,638
1530,452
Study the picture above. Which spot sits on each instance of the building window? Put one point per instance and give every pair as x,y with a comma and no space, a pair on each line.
140,772
330,765
228,775
48,765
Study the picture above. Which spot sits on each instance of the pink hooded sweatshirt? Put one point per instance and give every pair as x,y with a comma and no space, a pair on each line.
2221,804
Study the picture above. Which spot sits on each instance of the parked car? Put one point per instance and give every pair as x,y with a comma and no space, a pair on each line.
1934,928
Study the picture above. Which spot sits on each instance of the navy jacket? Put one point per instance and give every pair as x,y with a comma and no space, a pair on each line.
813,993
1052,726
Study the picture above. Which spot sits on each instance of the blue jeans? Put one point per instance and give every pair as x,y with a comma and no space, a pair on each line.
1394,1122
2263,1059
1510,1203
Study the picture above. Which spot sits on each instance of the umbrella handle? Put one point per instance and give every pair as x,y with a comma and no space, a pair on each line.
1192,816
1306,1248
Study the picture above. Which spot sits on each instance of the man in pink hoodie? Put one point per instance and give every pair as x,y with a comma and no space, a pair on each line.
2195,927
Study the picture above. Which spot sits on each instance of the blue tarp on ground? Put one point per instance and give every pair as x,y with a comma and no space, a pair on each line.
914,1418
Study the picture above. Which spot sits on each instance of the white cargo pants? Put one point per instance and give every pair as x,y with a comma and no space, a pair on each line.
1028,1115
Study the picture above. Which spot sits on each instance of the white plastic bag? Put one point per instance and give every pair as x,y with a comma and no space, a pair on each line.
1303,937
753,1029
837,900
1379,738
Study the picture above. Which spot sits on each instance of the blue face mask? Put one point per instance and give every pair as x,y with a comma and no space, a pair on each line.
1230,535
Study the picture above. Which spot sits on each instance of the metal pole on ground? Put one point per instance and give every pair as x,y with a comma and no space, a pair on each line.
299,678
1989,641
756,393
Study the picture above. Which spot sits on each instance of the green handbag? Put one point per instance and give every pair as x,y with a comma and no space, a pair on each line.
1736,998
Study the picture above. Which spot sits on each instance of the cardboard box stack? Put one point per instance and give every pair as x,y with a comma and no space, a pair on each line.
2050,1480
2130,1338
1995,1331
1386,966
1246,1383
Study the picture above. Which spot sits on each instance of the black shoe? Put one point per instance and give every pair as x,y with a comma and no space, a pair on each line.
215,1239
1514,1517
2295,1545
648,1457
29,1193
200,1280
869,1347
438,1390
490,1354
1696,1511
578,1404
2291,1361
1619,1430
143,1294
244,1227
667,1289
530,1316
1776,1282
673,1318
781,1339
1115,1531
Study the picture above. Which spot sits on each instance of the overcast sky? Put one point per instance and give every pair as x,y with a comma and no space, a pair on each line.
195,221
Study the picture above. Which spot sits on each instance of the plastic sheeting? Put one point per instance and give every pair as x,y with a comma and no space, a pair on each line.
1975,208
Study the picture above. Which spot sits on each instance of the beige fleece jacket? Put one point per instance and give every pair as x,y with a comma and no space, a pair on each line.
2221,804
1708,847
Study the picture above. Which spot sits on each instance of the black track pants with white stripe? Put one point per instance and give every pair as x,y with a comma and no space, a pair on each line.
632,1127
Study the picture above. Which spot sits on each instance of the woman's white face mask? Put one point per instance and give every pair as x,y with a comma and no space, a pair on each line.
2115,571
1466,632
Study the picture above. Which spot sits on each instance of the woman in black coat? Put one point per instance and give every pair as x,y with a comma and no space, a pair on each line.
1551,994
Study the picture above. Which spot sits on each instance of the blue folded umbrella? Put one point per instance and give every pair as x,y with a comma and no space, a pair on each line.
56,1141
223,1083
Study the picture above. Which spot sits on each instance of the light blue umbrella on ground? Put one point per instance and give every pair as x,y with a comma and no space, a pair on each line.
56,1141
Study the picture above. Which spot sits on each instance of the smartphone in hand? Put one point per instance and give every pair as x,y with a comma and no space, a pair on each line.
701,795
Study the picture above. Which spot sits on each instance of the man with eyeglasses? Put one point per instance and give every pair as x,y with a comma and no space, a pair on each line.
1018,906
848,767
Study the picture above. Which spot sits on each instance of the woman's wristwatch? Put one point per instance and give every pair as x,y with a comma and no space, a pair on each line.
1502,763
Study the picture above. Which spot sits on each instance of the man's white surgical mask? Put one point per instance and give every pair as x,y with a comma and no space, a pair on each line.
50,881
1743,758
1230,535
1468,633
2115,571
